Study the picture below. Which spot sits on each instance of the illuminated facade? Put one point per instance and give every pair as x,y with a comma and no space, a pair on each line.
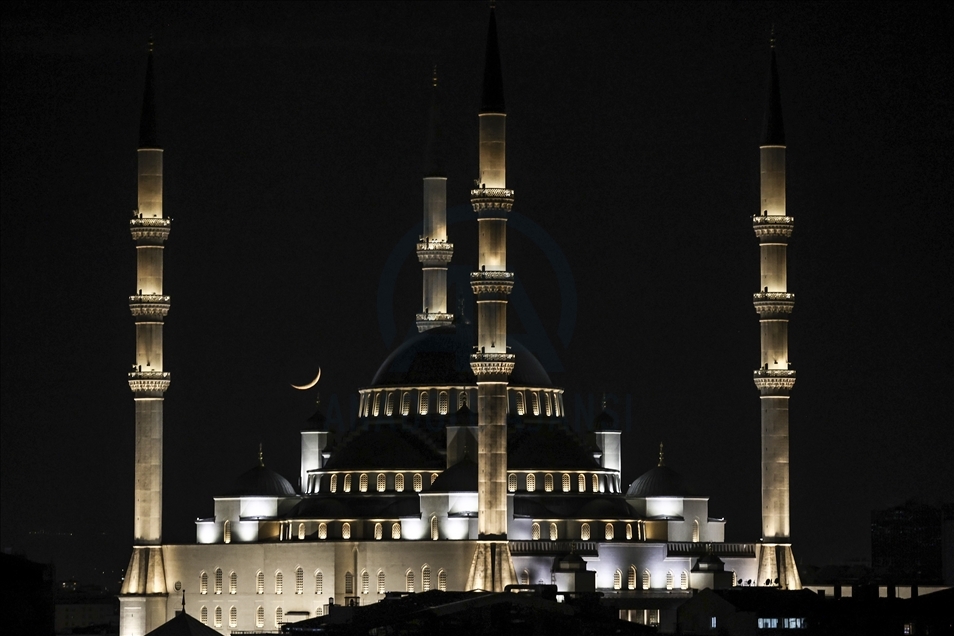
425,493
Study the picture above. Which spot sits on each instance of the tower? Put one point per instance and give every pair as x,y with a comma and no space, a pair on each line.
143,593
434,252
775,377
492,567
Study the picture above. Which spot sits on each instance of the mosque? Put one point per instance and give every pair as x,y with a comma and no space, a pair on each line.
461,472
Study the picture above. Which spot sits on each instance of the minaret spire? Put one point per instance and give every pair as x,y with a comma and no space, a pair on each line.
492,567
142,596
775,377
434,251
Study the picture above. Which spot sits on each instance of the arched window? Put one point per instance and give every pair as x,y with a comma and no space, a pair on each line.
646,580
381,586
442,581
546,404
525,577
442,401
319,611
669,580
617,580
382,482
585,532
346,530
684,580
233,616
425,578
322,530
461,400
553,532
204,615
396,530
409,581
435,531
531,482
218,580
511,483
260,582
418,482
227,531
399,482
405,404
581,482
422,403
596,483
319,582
299,581
377,405
217,621
365,582
631,579
695,531
204,583
233,583
629,531
521,406
566,482
557,405
735,580
367,403
260,617
389,406
347,482
279,617
378,532
349,583
363,482
609,532
433,478
548,482
535,403
301,531
334,483
278,582
535,531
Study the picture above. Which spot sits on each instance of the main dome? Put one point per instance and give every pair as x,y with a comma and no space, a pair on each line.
441,356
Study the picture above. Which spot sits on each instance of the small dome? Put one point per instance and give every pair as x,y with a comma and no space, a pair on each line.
442,356
604,421
661,481
261,482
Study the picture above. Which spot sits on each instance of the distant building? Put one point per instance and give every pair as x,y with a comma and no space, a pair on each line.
907,543
27,596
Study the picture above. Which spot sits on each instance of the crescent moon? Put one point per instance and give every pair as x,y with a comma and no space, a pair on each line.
305,387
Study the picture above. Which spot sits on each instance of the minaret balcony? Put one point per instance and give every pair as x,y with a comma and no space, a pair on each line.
487,284
435,252
492,367
431,320
773,304
774,382
487,201
150,231
149,383
149,305
768,228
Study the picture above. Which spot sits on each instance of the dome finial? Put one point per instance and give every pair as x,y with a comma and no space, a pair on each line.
261,457
434,77
661,458
604,400
152,43
772,37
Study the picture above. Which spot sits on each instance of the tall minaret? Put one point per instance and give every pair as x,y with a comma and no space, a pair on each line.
142,596
775,377
492,568
434,251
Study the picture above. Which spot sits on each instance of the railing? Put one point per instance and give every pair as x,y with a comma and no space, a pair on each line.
140,222
774,373
773,220
772,296
497,193
687,548
485,275
545,548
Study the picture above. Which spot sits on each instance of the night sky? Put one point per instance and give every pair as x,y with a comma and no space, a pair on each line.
294,136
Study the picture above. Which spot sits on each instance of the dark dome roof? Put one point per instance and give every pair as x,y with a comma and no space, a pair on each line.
385,448
261,482
461,477
442,356
661,481
604,421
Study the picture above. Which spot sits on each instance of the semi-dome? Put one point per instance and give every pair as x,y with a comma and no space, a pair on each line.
261,482
442,356
661,481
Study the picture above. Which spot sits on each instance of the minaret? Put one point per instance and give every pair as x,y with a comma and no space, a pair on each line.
775,377
434,252
492,568
142,596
